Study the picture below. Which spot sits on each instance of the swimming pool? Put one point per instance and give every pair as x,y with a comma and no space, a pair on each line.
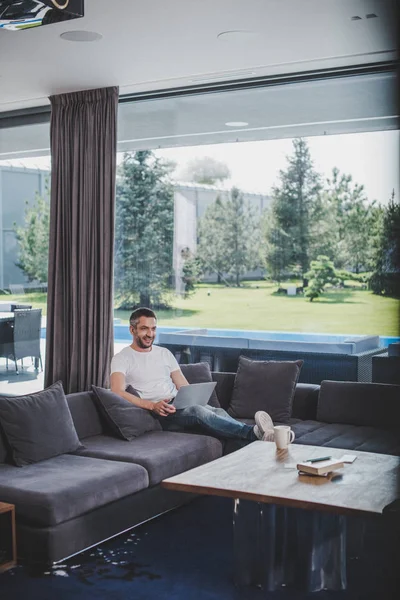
257,339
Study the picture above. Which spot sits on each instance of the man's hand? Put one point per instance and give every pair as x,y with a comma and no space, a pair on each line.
162,408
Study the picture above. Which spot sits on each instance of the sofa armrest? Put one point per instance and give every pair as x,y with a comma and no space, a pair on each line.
355,403
305,401
224,387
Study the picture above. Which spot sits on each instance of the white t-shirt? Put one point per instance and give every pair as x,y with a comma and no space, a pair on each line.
148,372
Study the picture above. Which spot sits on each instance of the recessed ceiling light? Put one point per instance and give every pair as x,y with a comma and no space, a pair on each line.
371,16
237,35
81,36
236,123
356,18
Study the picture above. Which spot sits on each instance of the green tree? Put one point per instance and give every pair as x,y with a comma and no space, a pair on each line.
385,279
33,238
296,208
276,248
211,245
322,272
206,170
229,237
241,236
143,231
361,228
350,223
191,272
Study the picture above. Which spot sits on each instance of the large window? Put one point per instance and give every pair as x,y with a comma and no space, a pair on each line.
267,209
262,209
24,239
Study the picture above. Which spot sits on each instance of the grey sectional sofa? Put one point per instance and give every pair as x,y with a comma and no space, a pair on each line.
73,501
338,414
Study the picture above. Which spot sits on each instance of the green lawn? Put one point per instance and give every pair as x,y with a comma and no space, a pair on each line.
257,306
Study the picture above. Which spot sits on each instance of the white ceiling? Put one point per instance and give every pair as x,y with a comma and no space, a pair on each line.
157,44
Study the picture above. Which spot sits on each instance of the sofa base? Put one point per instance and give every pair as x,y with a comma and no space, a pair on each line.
48,545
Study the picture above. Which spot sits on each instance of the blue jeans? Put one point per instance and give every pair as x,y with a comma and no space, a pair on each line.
208,419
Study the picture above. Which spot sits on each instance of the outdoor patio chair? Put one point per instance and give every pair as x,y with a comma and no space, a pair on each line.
6,338
26,337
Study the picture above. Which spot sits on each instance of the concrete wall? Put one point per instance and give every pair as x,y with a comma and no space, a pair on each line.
17,186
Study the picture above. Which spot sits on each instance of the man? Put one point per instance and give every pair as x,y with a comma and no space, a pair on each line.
155,374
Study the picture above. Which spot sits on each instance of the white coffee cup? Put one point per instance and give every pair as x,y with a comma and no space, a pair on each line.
283,436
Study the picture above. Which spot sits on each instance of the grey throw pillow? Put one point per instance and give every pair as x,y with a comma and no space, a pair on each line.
200,373
125,420
264,385
38,426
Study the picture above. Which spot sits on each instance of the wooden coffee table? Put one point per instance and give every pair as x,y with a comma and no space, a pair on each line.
282,518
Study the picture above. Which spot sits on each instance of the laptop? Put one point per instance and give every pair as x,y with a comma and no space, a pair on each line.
193,394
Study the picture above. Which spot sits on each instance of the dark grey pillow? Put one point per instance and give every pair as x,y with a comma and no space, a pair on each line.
125,420
38,426
264,385
200,373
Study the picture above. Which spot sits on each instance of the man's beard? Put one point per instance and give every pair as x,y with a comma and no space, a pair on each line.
141,344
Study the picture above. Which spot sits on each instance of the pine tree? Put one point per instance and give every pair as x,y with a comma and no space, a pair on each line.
241,236
296,208
33,238
321,273
350,223
229,237
385,279
144,231
276,248
211,246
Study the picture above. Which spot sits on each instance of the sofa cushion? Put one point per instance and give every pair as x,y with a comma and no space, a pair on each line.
224,388
305,401
64,487
264,385
200,373
4,449
85,414
125,420
38,426
349,437
355,403
162,453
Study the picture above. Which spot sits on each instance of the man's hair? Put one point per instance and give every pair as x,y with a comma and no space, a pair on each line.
141,312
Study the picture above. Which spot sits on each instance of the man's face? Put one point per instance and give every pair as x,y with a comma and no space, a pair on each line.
144,332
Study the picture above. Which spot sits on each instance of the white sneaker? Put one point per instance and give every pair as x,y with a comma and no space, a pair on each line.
264,427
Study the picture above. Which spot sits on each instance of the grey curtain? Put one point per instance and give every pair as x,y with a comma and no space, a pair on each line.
79,336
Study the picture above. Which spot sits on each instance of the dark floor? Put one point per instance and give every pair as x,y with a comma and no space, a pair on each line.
186,555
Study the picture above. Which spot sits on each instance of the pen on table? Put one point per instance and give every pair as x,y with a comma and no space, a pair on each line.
312,460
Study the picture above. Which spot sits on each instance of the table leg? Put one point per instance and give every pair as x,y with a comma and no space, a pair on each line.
276,546
322,546
259,540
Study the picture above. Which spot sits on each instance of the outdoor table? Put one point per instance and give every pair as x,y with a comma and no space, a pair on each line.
7,316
